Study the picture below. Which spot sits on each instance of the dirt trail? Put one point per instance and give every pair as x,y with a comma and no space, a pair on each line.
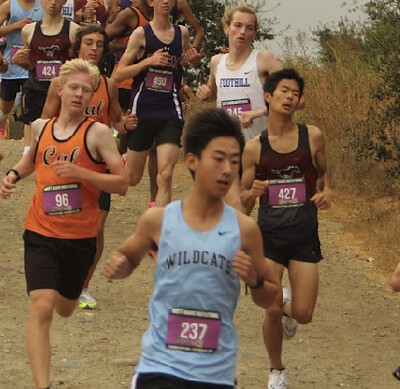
352,342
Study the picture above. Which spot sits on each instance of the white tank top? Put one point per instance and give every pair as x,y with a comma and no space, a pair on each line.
241,90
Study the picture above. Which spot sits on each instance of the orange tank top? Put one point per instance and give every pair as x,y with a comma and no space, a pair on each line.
64,208
127,84
99,107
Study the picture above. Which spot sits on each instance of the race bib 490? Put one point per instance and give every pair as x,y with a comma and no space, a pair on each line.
159,80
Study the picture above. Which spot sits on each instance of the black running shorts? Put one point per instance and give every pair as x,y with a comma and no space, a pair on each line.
162,381
59,264
158,132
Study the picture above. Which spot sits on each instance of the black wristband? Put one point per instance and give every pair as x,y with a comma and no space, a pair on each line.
259,284
15,172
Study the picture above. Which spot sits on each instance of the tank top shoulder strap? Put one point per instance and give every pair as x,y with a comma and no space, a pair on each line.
265,145
37,29
65,27
178,31
304,141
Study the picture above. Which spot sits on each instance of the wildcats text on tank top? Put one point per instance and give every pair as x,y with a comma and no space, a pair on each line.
48,52
191,334
241,90
64,208
155,90
291,172
14,39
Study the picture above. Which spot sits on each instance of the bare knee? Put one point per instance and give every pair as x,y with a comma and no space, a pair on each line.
164,178
273,314
42,310
133,173
66,310
302,315
133,179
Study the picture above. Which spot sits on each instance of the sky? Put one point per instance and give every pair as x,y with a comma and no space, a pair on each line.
305,15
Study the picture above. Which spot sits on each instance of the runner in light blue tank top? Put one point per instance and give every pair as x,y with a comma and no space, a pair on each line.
205,249
14,39
194,283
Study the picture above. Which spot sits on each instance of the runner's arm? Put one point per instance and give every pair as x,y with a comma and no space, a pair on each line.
10,27
101,145
252,267
208,91
53,101
188,15
251,187
25,166
127,68
322,199
3,64
119,26
395,279
267,64
117,118
130,253
21,57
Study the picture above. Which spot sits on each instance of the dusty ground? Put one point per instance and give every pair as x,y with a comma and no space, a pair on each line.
352,342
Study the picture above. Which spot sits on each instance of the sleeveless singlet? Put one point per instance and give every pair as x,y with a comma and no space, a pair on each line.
155,90
241,90
99,107
48,53
14,39
64,208
191,335
285,211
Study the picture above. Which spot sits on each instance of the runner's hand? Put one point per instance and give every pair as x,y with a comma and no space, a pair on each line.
21,58
131,121
259,188
203,92
246,119
192,57
159,58
323,200
23,22
118,266
7,186
243,266
66,169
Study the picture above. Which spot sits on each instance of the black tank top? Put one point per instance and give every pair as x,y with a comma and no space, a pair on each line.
47,52
295,164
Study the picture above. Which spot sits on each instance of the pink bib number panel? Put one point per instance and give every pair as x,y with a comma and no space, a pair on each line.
193,330
159,80
47,70
62,199
236,107
287,193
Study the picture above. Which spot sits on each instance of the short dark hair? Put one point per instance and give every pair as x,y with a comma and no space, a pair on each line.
285,74
91,29
206,125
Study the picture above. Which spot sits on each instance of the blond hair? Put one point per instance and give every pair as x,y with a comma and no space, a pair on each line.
240,7
80,65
